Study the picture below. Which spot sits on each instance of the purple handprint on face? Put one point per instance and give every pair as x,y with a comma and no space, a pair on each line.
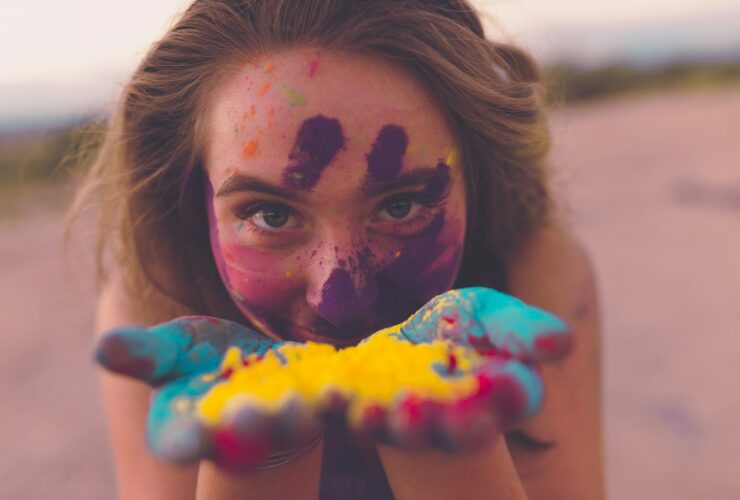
316,144
354,277
384,160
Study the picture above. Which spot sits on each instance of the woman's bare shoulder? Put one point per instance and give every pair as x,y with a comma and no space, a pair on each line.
126,404
559,451
553,262
121,303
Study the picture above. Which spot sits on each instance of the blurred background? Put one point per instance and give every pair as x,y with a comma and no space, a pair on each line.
645,113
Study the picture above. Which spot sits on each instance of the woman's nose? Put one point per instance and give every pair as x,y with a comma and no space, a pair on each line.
342,290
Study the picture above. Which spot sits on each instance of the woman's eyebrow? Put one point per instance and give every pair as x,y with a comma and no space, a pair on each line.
419,176
241,182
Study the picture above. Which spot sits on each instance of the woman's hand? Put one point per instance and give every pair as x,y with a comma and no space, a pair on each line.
181,358
514,336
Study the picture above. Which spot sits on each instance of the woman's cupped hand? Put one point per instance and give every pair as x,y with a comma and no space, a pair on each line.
185,359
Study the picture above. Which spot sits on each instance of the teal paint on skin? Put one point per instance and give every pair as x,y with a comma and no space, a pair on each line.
173,357
490,319
512,333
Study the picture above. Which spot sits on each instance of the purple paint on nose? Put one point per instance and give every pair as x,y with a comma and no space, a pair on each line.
341,305
384,159
316,144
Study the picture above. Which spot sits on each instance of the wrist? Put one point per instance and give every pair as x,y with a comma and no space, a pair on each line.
485,473
295,478
280,458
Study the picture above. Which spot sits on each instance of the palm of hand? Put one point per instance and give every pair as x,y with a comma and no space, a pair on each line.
514,338
182,357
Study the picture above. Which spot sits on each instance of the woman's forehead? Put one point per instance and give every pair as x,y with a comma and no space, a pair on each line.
310,79
259,113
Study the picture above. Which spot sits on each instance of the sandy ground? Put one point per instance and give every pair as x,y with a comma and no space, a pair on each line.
653,184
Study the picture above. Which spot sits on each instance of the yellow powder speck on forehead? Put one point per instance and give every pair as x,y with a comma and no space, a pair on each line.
451,156
250,148
269,67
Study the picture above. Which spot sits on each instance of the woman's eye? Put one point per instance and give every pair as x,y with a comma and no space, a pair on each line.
274,218
399,209
270,217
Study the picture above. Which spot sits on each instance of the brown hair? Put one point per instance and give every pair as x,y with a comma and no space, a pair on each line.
145,180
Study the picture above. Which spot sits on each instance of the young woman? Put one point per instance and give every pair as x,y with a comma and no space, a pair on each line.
318,170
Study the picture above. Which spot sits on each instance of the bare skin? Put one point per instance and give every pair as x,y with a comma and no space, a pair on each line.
320,205
302,241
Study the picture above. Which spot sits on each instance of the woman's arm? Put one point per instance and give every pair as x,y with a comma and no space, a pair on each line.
553,271
297,479
558,454
141,476
484,474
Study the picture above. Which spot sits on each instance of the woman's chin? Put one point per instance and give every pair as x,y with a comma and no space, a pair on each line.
337,339
305,335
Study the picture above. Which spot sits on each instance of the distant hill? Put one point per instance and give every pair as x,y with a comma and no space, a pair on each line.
45,154
568,82
44,150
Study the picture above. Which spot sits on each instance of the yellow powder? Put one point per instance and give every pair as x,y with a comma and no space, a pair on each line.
378,371
451,155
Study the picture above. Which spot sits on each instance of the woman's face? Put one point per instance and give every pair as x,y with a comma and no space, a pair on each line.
336,195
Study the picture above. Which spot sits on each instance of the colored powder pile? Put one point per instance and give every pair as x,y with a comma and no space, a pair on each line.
380,371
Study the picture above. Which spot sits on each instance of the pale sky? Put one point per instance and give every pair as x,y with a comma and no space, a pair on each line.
87,47
62,41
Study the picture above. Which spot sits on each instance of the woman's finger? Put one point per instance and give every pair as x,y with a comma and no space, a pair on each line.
181,440
174,432
244,440
150,355
184,346
491,321
514,390
411,422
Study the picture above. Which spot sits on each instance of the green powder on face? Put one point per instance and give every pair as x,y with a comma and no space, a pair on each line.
294,97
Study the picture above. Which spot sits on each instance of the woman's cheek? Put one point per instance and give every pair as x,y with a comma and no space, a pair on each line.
260,281
257,281
427,265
